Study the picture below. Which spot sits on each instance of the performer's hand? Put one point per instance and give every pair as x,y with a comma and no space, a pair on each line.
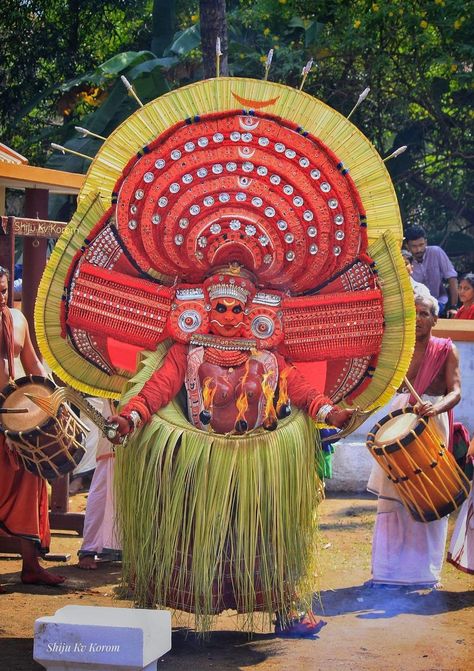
123,428
425,409
450,314
339,418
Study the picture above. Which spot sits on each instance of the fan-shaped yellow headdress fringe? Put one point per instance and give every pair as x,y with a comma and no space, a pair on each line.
399,331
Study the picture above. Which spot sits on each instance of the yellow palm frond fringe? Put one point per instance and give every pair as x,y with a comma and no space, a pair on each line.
399,314
58,353
192,505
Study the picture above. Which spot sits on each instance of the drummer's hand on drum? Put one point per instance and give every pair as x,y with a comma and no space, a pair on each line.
339,417
424,409
123,428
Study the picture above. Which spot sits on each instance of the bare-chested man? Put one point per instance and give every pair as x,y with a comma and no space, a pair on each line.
446,381
23,496
406,552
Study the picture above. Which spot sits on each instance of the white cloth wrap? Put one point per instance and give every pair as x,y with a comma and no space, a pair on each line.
461,548
406,552
99,525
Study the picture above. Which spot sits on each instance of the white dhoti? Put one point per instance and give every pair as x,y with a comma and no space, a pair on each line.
405,552
461,548
100,533
88,461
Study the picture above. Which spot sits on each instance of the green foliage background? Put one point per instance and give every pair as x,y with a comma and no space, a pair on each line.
63,59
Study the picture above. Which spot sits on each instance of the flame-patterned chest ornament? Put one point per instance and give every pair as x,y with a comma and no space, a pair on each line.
222,188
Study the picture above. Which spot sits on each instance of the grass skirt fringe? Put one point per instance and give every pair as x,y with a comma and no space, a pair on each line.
212,522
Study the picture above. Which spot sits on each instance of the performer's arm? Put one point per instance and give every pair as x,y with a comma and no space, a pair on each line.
305,396
453,296
157,392
453,389
449,273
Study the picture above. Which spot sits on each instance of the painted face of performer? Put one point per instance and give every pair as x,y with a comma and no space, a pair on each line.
226,317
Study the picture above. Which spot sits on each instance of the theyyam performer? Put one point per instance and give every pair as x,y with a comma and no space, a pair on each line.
220,231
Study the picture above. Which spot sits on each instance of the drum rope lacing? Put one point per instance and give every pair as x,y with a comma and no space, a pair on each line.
443,485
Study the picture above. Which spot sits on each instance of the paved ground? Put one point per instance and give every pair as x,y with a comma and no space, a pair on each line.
367,629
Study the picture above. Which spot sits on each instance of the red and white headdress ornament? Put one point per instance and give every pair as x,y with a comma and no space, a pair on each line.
234,282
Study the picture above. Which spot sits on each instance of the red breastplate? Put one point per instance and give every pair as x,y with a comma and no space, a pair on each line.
229,384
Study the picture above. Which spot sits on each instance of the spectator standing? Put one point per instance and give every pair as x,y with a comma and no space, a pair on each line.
431,266
461,548
100,541
82,475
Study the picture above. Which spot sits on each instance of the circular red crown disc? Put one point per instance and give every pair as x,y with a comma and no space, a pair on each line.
236,187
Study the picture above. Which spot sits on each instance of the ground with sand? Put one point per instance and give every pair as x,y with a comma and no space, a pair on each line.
366,629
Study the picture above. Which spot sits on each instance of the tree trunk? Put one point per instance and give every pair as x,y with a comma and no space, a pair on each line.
72,37
164,24
213,25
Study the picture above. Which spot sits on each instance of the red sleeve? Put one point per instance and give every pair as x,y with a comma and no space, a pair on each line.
162,386
301,393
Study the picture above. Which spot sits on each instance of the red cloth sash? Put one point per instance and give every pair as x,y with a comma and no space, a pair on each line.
435,357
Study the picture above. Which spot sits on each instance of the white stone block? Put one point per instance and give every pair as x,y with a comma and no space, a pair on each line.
352,459
89,638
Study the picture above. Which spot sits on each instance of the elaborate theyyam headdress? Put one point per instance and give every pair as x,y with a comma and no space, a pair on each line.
234,171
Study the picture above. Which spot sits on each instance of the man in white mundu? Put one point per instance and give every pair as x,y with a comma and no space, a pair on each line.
406,552
100,537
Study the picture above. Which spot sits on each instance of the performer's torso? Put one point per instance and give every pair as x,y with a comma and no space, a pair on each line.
235,387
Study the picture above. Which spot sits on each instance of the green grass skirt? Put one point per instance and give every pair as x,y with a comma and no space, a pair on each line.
211,522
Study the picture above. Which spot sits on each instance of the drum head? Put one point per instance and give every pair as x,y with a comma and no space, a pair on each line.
395,429
17,399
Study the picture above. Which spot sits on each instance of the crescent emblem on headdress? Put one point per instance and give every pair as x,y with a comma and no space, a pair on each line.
254,104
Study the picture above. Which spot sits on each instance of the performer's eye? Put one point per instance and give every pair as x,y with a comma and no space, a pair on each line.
220,307
237,309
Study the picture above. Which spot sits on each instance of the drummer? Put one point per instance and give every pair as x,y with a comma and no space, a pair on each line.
23,496
406,552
